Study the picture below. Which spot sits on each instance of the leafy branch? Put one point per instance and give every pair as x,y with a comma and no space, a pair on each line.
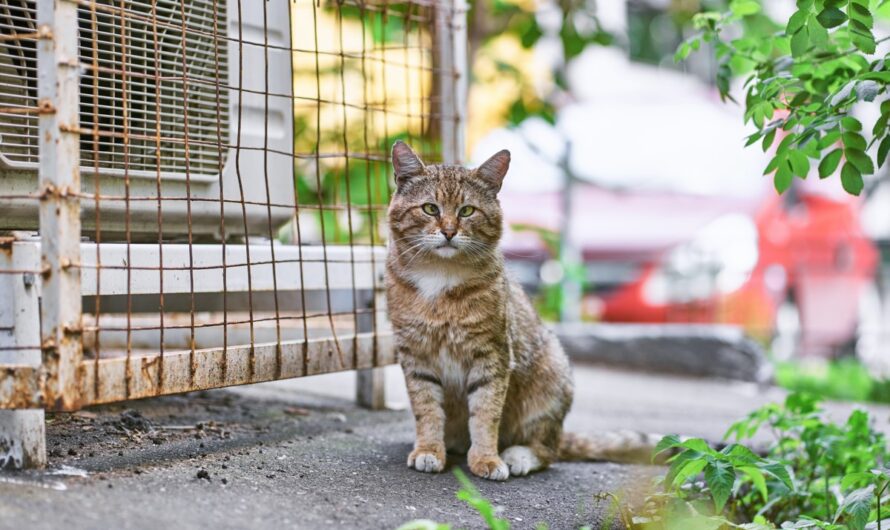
802,81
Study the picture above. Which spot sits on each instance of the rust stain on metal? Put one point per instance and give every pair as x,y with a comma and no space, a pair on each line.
24,392
45,106
49,191
45,32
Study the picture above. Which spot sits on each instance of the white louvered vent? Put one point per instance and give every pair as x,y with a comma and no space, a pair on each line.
141,53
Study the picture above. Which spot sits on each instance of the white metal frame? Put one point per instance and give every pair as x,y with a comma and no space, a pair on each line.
22,432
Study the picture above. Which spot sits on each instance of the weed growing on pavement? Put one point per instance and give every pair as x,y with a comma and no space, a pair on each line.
814,474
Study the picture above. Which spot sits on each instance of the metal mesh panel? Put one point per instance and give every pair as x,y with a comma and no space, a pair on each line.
197,249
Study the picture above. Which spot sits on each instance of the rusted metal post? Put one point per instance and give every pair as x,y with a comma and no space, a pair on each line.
59,180
22,432
451,34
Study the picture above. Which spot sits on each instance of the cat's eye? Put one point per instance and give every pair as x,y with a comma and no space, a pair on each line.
430,209
466,211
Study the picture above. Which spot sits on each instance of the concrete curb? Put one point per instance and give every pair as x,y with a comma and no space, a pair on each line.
702,350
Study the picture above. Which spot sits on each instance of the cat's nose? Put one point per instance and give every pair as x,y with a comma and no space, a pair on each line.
448,233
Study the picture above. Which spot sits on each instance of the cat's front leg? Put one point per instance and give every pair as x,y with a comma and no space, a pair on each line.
426,395
486,392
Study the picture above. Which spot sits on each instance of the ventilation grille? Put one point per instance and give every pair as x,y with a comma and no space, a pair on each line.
18,82
139,54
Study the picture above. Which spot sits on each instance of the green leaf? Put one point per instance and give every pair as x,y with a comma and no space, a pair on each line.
685,468
861,14
783,177
667,442
785,144
757,479
818,34
883,150
743,8
829,139
780,472
800,164
853,141
720,478
882,77
851,179
683,51
856,506
861,160
829,164
800,42
753,139
849,123
852,479
740,455
697,444
768,140
880,126
773,164
863,40
796,22
831,17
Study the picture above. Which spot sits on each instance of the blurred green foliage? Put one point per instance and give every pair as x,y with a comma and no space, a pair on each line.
579,27
845,379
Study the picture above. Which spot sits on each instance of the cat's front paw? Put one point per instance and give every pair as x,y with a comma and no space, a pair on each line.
489,466
521,460
427,459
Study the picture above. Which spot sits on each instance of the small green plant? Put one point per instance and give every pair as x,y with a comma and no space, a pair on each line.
814,474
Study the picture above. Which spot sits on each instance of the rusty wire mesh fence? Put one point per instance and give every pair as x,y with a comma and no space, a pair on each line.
194,193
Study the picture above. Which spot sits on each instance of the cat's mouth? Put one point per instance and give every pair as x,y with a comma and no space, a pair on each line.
446,250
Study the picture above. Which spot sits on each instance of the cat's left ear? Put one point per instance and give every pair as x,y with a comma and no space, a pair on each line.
493,170
406,163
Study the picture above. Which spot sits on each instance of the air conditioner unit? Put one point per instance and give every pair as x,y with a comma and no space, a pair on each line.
214,77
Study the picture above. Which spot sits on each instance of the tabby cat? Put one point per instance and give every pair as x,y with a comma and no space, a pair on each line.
484,376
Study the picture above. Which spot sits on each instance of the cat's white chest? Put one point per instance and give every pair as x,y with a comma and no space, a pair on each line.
451,370
433,282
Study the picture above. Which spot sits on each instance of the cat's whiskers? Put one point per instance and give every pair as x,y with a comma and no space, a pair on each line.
416,240
423,243
424,251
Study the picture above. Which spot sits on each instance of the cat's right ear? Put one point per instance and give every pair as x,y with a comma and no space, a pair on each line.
405,162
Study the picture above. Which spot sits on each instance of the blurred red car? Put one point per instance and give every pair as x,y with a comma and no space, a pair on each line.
793,270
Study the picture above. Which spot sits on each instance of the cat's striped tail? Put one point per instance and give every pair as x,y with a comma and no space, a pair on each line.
627,447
